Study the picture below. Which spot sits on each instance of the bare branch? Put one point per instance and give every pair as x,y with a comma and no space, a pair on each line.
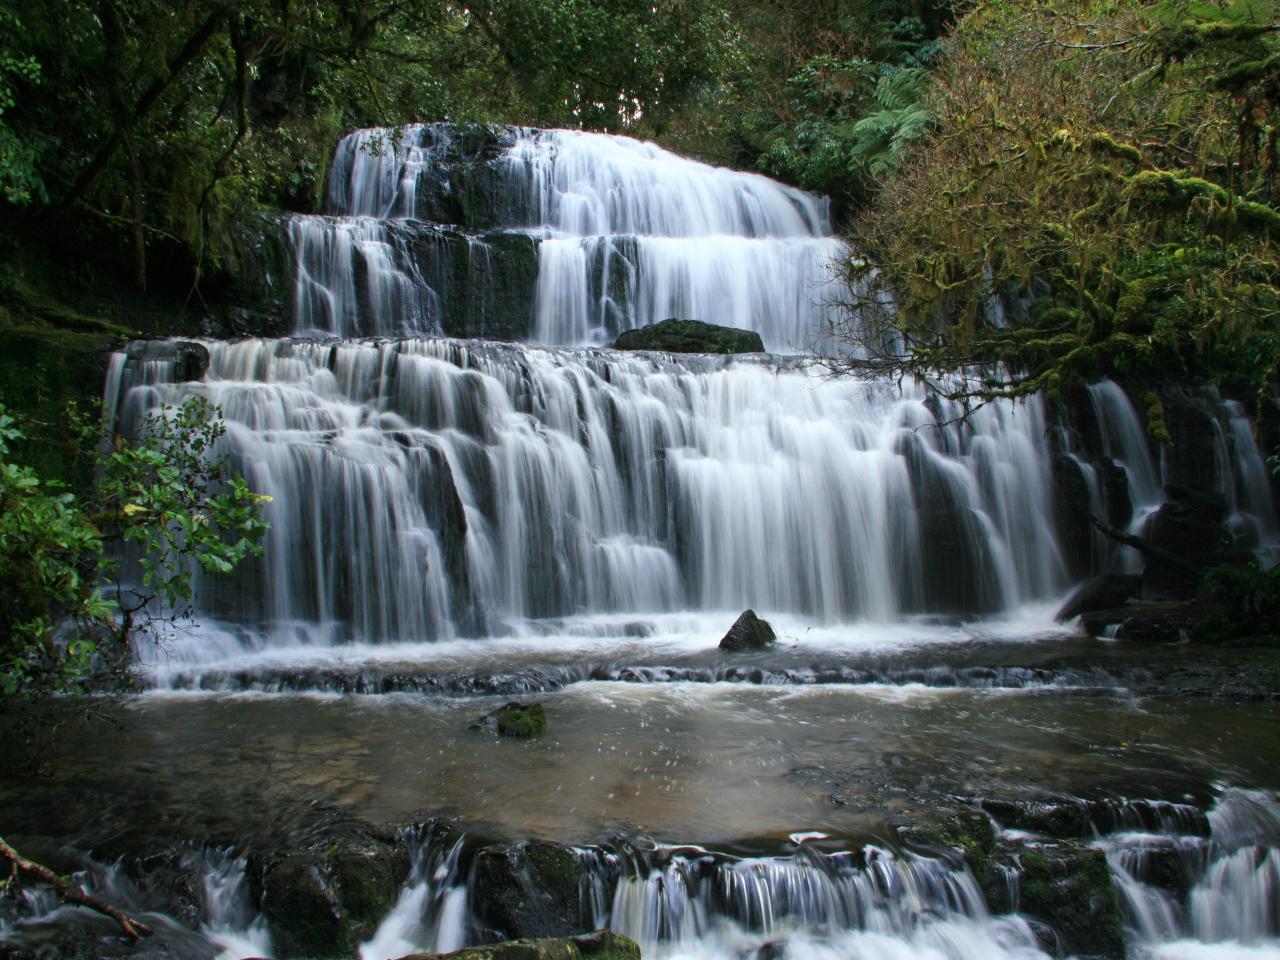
68,892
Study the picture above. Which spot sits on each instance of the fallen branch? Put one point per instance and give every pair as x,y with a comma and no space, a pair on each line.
67,892
1142,545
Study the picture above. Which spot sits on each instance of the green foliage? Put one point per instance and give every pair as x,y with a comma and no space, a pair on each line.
20,181
854,110
47,553
1243,603
68,612
168,494
1088,206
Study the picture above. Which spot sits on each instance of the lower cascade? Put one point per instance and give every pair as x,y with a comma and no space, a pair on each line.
813,902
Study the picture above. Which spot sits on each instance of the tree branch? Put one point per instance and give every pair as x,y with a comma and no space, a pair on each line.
1142,545
69,893
184,57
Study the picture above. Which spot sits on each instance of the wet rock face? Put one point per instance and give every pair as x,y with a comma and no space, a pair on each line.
602,945
190,360
1106,592
1069,887
529,889
323,902
690,336
1188,526
748,632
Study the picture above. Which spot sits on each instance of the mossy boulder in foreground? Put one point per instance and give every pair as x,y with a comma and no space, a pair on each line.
690,336
1068,886
602,945
528,889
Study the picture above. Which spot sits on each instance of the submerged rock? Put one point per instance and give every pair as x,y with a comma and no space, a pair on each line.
690,336
1106,592
516,719
748,632
602,945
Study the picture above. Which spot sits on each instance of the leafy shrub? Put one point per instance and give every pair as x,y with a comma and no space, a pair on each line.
1244,602
165,496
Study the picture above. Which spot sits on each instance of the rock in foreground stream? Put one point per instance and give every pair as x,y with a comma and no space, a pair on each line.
602,945
749,632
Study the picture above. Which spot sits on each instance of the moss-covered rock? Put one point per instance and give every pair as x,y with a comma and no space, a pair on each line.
323,902
522,721
602,945
516,719
1068,886
690,336
528,889
968,833
749,632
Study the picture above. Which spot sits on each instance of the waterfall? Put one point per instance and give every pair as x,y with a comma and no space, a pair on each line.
425,489
688,901
431,911
1232,876
627,234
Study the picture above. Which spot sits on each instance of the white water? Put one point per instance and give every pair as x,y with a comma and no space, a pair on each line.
431,912
229,924
687,902
428,489
1233,908
628,234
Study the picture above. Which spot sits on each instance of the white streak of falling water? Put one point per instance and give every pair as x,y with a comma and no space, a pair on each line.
815,907
1232,911
1126,442
357,277
431,912
231,921
634,235
596,483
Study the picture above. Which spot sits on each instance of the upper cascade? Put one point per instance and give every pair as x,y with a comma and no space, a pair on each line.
567,182
559,237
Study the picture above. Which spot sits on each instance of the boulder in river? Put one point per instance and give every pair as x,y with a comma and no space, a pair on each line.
322,901
1107,592
528,889
690,336
1069,887
516,719
601,945
748,632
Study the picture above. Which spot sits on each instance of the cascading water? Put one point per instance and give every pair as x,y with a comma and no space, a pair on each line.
424,489
627,234
689,901
520,499
1232,879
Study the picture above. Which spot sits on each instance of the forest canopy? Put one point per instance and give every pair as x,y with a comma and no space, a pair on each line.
152,125
1038,192
1098,198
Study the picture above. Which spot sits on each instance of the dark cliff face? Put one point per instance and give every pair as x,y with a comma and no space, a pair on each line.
1213,493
